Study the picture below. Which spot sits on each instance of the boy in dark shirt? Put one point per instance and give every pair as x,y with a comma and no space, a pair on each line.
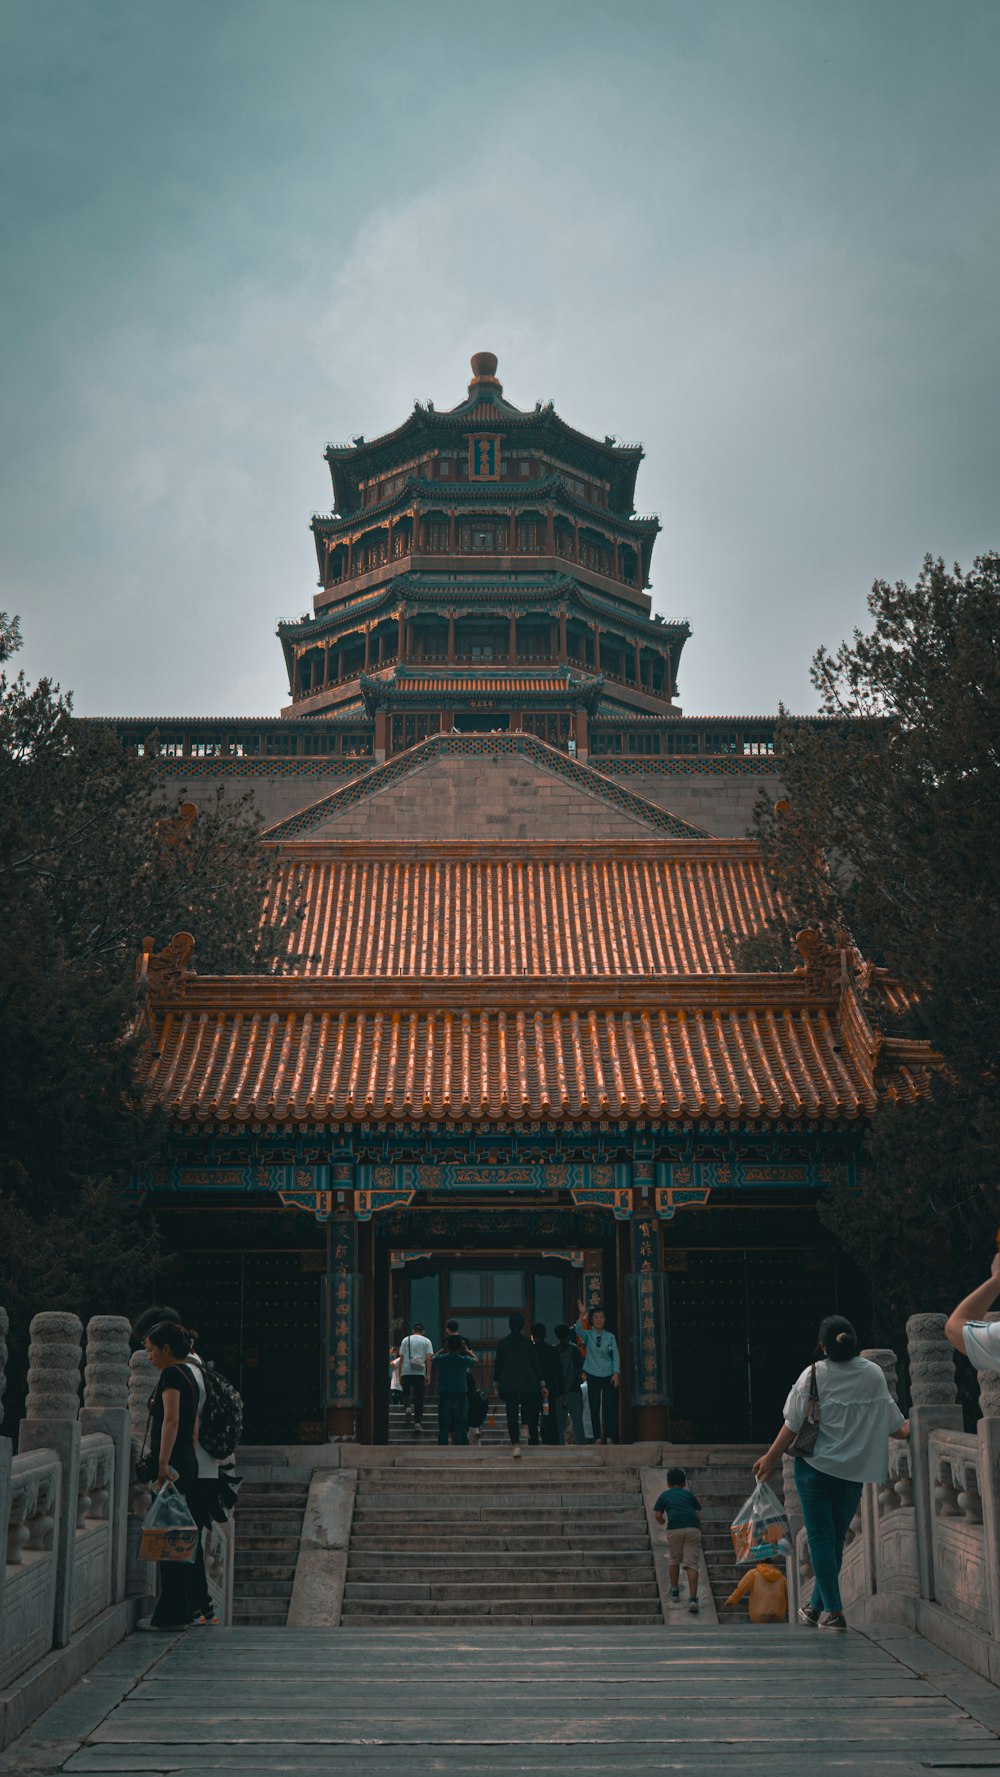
681,1512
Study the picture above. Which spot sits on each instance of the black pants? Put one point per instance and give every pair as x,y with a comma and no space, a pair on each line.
417,1385
523,1409
183,1588
551,1423
603,1407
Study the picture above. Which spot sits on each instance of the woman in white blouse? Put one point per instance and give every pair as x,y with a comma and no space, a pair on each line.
857,1415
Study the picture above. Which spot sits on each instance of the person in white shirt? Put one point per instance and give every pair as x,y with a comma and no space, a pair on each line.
857,1414
966,1329
415,1354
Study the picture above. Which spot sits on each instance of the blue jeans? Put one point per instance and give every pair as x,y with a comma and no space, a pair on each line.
828,1505
453,1416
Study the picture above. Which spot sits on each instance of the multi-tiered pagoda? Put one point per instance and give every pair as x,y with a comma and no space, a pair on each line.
483,570
510,1056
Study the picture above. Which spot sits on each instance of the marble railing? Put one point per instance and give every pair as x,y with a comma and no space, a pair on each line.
924,1546
29,1592
71,1507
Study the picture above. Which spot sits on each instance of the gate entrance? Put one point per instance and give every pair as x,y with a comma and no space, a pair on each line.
480,1291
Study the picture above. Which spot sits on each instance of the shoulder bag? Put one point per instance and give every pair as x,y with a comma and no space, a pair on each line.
805,1438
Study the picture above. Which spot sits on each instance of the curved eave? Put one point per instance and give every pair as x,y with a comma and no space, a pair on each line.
523,493
619,461
385,1052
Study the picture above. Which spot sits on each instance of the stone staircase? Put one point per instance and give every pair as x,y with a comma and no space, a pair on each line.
558,1538
268,1524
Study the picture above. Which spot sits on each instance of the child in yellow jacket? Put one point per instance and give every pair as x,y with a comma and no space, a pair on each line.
768,1594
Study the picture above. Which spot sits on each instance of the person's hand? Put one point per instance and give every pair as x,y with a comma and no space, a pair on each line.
763,1468
582,1307
163,1475
615,1381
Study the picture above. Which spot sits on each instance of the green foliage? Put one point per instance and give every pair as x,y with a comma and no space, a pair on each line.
890,831
93,858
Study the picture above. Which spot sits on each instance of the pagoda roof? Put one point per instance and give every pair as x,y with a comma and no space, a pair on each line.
450,593
524,494
484,407
505,688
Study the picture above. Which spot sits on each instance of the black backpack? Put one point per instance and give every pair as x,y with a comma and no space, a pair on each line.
570,1365
221,1426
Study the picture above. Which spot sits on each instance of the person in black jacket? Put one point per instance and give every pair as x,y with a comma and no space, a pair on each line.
517,1378
550,1423
570,1396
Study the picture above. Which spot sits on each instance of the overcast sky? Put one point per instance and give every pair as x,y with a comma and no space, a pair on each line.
759,235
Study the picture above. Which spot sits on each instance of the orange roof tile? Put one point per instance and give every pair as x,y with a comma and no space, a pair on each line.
645,910
580,1061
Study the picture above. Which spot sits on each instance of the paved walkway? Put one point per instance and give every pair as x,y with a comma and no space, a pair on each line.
699,1699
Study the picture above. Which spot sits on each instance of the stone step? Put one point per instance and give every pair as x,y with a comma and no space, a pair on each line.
363,1622
268,1524
610,1513
529,1498
273,1590
444,1561
581,1537
502,1591
567,1611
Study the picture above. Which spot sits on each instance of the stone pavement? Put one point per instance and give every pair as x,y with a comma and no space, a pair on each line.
499,1703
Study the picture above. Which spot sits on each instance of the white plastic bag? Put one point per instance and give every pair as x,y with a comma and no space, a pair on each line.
169,1533
760,1529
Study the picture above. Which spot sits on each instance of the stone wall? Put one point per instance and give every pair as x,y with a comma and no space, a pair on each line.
484,798
720,802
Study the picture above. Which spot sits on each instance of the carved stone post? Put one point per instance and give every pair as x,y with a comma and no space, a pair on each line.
5,1461
105,1409
51,1423
988,1432
934,1408
140,1579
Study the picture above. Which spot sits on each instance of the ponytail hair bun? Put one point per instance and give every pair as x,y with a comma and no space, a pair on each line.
838,1339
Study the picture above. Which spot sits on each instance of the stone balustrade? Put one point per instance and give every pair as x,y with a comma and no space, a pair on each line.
71,1506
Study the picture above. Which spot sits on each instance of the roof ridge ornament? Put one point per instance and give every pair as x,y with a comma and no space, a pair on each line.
484,374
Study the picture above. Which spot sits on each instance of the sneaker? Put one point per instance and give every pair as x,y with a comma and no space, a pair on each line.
515,1450
675,1593
208,1621
418,1426
693,1607
408,1416
808,1616
833,1619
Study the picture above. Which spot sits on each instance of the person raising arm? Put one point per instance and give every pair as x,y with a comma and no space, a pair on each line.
966,1329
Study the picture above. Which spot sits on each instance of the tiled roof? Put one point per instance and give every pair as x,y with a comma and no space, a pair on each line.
583,1061
622,911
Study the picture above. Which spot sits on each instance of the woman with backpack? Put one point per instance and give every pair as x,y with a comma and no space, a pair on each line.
857,1415
173,1426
